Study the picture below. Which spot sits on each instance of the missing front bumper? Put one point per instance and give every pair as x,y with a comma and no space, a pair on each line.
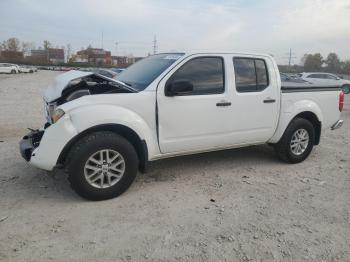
29,142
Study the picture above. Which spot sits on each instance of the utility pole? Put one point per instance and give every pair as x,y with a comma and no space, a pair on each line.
102,40
155,45
116,48
291,56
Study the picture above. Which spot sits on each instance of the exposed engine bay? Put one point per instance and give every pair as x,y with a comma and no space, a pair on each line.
89,85
75,84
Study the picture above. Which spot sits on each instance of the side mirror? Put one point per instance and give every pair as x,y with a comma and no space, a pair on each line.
180,87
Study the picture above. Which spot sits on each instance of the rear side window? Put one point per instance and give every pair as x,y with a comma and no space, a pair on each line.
251,74
316,76
205,73
331,77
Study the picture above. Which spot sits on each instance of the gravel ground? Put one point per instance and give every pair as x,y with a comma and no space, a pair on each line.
234,205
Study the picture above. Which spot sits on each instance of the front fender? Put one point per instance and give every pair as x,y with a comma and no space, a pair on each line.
289,111
88,116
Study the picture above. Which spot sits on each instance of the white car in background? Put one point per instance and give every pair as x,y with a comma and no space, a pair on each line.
327,79
26,69
9,68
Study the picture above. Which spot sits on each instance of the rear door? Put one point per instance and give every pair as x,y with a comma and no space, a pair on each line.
332,80
317,79
255,104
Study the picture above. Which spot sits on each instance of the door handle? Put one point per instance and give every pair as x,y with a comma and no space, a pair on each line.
223,103
269,100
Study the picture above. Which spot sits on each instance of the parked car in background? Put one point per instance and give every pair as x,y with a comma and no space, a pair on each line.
327,79
292,78
103,130
9,68
26,69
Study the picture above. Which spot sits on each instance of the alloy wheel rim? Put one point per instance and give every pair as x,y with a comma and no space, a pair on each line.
299,142
104,168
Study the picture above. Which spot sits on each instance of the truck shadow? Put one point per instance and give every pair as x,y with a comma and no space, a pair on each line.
41,185
166,169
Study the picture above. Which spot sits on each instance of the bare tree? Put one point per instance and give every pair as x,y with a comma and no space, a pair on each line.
12,44
47,44
68,52
27,47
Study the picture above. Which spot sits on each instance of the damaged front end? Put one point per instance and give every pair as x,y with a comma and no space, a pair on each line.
75,84
29,142
65,88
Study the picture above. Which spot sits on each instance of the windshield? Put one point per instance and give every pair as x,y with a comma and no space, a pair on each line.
142,73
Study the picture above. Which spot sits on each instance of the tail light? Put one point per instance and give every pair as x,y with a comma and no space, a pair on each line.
341,101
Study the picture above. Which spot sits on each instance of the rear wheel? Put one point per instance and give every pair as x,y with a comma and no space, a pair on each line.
102,165
297,141
346,89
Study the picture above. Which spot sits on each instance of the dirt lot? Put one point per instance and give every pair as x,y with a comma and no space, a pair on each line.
235,205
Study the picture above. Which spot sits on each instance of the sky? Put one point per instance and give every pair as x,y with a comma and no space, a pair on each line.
262,26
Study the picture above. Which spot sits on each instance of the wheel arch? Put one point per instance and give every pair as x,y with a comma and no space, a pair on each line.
312,117
126,132
345,86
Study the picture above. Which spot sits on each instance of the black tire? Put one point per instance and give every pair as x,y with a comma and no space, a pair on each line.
283,147
346,89
13,71
85,148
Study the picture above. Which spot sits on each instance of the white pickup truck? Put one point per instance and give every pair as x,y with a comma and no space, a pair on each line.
104,130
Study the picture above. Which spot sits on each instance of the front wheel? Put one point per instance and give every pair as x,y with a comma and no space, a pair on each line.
102,165
346,89
297,141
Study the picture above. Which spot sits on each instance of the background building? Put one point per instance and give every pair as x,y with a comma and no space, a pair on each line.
94,56
55,55
47,56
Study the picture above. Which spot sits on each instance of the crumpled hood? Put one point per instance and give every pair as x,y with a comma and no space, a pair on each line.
55,89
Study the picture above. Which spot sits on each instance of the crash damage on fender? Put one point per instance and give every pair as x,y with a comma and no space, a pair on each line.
65,88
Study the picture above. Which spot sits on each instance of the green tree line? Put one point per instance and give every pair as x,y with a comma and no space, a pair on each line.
332,63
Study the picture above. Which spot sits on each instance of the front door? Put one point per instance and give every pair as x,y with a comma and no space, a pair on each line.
195,120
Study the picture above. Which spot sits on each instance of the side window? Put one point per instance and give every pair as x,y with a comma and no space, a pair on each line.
331,77
261,73
251,74
318,76
205,73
